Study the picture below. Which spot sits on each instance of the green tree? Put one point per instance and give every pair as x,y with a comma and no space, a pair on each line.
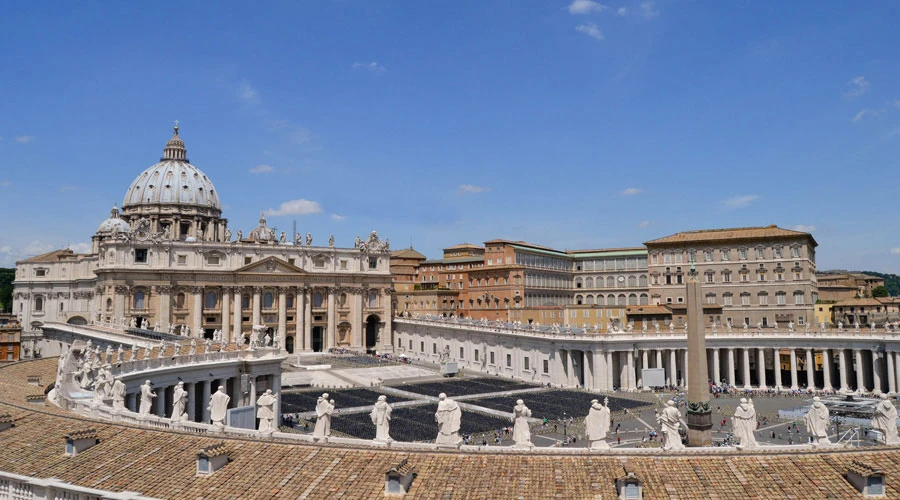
6,278
879,291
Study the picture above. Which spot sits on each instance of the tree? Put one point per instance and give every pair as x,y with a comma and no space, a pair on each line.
879,291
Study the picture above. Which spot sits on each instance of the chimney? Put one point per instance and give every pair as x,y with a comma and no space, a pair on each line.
398,478
34,380
6,422
80,440
211,459
35,399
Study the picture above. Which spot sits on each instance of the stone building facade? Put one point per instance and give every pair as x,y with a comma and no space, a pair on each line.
169,261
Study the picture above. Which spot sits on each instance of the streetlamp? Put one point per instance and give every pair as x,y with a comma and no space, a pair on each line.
565,422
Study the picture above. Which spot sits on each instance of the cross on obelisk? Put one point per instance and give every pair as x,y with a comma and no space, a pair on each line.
699,413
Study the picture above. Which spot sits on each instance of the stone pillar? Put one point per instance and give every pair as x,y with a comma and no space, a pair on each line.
204,401
356,320
276,390
282,318
891,373
842,360
191,389
387,335
588,369
159,404
164,303
645,360
673,368
331,330
629,369
876,375
794,385
776,358
761,368
600,380
717,365
226,315
730,367
566,359
746,361
252,400
197,313
257,306
810,369
238,301
659,359
826,370
121,293
860,371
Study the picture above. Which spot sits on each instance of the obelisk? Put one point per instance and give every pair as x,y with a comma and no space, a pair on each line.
699,413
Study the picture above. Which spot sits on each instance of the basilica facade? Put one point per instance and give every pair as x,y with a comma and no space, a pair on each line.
168,261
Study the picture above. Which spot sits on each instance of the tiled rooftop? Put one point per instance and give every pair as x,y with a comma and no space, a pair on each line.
718,235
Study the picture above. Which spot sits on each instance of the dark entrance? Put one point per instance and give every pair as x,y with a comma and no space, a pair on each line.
289,344
318,338
372,332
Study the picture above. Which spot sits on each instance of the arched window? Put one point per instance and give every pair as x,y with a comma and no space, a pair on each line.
622,299
610,282
600,300
642,281
589,300
289,301
632,281
579,299
632,299
342,299
317,299
578,283
211,299
38,304
645,300
589,282
139,300
109,304
611,300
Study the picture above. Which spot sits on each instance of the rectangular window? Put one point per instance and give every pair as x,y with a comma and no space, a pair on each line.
213,260
711,298
140,255
763,300
798,299
526,363
760,253
248,260
462,353
492,357
742,254
410,344
433,348
726,255
727,299
710,278
477,355
182,259
546,366
291,261
778,253
509,360
779,299
707,256
422,347
373,262
726,277
745,299
40,272
795,252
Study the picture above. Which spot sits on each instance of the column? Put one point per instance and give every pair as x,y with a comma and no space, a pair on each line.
730,367
794,385
810,369
860,371
599,372
687,369
226,315
282,318
300,304
356,320
331,331
387,335
276,389
307,320
159,404
717,374
776,358
627,369
204,401
252,390
567,368
891,374
609,370
673,369
826,370
645,359
191,389
876,376
257,308
238,332
119,302
197,327
746,361
761,368
164,304
842,360
659,360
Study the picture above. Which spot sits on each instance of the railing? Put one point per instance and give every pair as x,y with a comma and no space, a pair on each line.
22,487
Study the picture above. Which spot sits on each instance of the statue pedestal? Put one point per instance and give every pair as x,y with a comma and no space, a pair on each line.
699,428
599,444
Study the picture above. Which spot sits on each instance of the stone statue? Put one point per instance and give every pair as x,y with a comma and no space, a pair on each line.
596,425
448,417
656,326
118,395
283,238
227,235
199,234
172,329
132,323
147,396
267,340
381,417
521,431
179,403
670,422
791,326
218,405
193,348
728,325
156,326
746,326
643,327
885,420
308,239
324,409
266,411
120,353
817,422
331,241
743,423
774,325
240,235
856,327
840,326
298,238
357,242
671,327
822,327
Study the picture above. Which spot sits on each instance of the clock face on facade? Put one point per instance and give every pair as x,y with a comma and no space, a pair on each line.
142,234
621,278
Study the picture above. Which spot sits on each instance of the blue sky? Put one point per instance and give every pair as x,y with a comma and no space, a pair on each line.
569,124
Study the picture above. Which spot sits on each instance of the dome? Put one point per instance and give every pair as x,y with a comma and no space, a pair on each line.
172,181
114,223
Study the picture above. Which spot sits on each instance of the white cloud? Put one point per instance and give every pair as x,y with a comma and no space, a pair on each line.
643,224
864,113
804,228
373,66
622,12
338,218
64,189
857,86
247,93
585,7
470,189
24,139
5,184
262,169
895,251
632,191
648,9
81,247
36,248
591,30
296,207
740,201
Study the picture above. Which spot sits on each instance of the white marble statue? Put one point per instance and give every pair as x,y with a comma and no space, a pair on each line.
448,418
147,396
266,411
132,323
308,239
596,425
193,348
240,235
118,395
521,431
381,418
172,329
885,420
227,235
670,422
728,325
267,340
179,403
817,422
283,238
331,241
791,326
218,405
671,327
743,423
324,409
840,326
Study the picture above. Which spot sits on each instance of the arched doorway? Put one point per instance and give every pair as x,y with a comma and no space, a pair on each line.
289,344
318,338
77,320
372,323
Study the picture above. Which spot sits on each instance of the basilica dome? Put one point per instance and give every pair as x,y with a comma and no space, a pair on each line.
114,224
172,181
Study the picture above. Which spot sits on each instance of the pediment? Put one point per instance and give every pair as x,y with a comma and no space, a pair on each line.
270,265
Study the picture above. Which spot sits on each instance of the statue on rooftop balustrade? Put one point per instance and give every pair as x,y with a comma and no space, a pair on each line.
448,418
521,430
743,423
670,422
885,420
324,409
179,403
266,411
381,417
218,406
817,420
596,424
147,396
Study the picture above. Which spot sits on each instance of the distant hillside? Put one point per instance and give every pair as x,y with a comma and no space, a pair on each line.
891,282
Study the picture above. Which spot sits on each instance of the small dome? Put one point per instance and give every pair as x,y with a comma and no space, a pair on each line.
114,223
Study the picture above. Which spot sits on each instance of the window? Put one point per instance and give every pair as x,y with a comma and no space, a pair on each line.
212,260
546,366
779,276
763,298
373,262
40,273
434,348
422,347
140,255
742,253
727,299
509,360
139,302
798,298
319,262
317,299
343,264
373,299
477,355
182,259
710,278
462,353
526,363
289,301
778,253
760,253
38,304
707,255
745,299
492,357
210,300
248,260
780,298
268,300
292,261
725,255
710,298
795,252
410,344
245,301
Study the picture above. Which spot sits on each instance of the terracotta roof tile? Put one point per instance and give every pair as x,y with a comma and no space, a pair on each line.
740,233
